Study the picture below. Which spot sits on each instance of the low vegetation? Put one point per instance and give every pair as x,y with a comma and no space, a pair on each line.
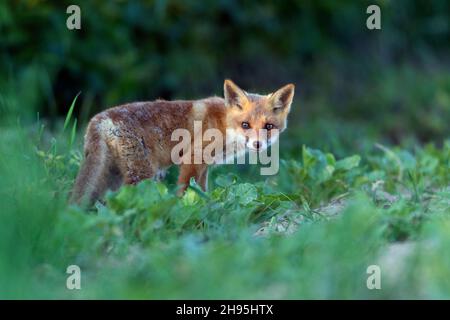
309,232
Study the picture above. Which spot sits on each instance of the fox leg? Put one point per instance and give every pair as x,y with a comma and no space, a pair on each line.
198,171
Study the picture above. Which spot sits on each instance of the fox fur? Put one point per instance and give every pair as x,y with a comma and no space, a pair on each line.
132,142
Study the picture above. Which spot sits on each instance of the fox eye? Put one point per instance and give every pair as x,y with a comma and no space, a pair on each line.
245,125
269,126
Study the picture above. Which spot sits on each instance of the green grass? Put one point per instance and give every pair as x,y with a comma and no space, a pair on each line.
309,232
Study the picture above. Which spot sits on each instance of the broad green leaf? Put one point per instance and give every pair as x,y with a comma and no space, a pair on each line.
243,193
348,163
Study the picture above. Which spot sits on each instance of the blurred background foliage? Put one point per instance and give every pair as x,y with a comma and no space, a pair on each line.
391,84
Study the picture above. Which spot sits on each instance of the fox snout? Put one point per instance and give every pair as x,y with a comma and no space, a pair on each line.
258,140
255,144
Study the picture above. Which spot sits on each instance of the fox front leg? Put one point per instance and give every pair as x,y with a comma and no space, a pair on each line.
198,171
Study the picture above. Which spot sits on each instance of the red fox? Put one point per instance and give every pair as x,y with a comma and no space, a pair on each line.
132,142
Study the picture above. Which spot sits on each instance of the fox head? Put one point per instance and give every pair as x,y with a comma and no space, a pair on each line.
257,120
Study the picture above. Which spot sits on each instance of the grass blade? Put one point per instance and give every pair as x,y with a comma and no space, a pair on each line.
73,133
69,113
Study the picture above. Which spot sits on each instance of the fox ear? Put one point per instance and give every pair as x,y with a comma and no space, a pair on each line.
281,99
234,96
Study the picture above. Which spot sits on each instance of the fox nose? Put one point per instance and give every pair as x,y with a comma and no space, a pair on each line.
257,144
